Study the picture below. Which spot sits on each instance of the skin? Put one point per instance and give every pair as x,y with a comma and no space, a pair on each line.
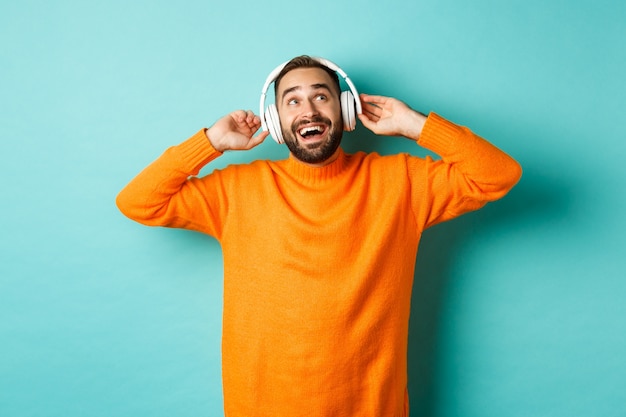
306,97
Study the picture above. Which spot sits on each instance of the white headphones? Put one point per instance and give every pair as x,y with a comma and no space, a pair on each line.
350,102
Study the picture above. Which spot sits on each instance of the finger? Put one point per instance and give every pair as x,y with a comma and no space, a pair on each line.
253,121
239,115
380,100
372,111
244,119
258,139
367,122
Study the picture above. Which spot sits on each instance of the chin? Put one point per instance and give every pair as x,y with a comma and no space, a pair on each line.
323,151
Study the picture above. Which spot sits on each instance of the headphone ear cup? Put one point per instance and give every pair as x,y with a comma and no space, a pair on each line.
348,111
273,123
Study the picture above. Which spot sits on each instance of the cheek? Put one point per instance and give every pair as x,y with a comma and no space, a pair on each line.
335,112
285,118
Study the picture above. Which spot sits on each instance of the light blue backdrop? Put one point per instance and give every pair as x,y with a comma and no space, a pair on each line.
518,309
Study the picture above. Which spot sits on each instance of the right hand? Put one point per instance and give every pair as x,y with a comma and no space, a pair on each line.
235,131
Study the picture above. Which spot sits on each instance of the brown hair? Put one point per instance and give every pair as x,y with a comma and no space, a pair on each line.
305,61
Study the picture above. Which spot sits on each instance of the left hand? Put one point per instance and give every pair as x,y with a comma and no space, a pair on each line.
390,117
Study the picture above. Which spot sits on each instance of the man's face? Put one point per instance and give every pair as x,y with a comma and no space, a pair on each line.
310,115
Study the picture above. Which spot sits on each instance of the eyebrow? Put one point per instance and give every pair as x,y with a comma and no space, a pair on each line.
316,86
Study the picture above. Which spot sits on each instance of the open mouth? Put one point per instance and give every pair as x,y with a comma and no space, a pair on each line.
312,132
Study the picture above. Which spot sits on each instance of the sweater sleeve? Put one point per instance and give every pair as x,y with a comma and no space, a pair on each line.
166,193
470,173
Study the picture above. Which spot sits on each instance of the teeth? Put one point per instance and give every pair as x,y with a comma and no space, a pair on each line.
307,130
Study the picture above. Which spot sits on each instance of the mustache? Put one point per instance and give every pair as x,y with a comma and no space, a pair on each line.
317,119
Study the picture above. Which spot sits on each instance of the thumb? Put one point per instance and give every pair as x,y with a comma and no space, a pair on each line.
367,122
258,139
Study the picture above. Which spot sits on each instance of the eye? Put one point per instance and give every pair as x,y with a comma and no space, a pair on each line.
321,97
292,102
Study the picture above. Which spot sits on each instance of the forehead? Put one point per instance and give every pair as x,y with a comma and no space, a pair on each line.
304,78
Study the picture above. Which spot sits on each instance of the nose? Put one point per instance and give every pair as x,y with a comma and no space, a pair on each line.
309,108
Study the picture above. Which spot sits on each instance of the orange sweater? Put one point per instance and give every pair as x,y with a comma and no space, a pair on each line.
319,262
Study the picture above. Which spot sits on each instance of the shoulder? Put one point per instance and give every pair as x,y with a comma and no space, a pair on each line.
236,173
244,168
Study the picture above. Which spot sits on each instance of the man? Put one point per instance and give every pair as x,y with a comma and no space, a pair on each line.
319,249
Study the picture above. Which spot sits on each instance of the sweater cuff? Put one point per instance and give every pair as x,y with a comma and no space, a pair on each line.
438,133
197,151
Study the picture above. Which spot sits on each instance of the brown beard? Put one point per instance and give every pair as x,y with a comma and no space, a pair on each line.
321,151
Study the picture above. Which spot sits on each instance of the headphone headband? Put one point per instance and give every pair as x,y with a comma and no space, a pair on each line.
274,74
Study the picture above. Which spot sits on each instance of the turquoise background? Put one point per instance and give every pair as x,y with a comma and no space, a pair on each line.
518,309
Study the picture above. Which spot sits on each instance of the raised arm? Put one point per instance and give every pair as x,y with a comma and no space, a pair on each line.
163,193
471,171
